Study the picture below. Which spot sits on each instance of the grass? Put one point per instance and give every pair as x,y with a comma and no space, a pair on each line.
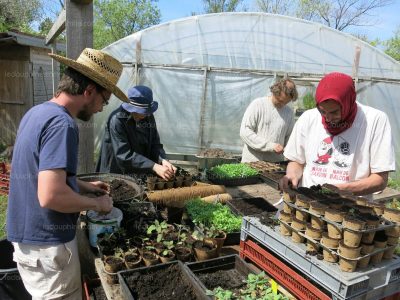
394,183
3,209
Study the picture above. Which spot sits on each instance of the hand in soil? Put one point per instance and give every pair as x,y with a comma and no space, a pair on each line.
104,204
163,171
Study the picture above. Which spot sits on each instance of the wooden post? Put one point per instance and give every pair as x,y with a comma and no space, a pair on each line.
79,32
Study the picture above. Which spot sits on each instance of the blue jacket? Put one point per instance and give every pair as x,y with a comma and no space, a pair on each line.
129,147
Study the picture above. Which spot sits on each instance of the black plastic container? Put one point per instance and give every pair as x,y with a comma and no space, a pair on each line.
257,205
232,181
11,285
137,216
232,264
273,178
187,280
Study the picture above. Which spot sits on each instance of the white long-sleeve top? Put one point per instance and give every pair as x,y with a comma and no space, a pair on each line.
263,126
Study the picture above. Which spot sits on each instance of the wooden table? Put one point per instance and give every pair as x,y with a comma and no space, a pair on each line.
386,195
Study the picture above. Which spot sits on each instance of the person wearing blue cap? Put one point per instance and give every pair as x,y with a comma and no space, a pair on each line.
131,143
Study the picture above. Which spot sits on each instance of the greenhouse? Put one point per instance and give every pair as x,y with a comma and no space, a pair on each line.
205,70
203,219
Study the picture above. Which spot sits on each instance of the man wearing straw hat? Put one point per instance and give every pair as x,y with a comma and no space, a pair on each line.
44,202
131,142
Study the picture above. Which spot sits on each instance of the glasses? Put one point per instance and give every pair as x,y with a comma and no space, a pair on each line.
105,100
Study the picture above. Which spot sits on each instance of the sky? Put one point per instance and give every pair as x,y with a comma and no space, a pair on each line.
388,17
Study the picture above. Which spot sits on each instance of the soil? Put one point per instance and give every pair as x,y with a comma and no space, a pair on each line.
215,152
252,206
227,279
255,190
120,190
267,220
273,176
99,293
267,167
160,283
137,217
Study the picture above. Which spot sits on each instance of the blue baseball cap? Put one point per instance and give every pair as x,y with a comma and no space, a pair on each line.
140,101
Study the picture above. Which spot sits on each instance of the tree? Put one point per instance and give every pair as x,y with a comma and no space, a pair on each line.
115,19
217,6
393,45
340,14
18,14
281,7
45,26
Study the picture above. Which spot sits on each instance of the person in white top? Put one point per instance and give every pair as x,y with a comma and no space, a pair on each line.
267,123
341,142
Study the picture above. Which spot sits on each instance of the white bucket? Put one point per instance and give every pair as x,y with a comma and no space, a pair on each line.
102,223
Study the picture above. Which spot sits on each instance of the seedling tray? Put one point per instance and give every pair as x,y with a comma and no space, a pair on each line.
272,179
152,279
232,181
209,273
318,243
385,225
254,206
204,162
379,279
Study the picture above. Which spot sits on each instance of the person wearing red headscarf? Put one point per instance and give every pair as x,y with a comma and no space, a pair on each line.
340,142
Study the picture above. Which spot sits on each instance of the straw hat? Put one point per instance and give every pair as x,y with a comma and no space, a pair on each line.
98,66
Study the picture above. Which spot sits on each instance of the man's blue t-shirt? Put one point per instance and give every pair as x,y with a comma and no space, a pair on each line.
47,139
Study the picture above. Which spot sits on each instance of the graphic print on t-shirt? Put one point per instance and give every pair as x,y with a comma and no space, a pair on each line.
342,154
325,151
333,159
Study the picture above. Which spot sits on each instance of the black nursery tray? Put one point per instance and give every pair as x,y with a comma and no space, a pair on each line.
251,206
229,272
232,181
155,283
273,178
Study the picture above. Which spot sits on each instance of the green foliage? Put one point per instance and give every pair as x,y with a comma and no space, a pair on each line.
309,101
45,26
220,294
394,183
233,171
393,46
218,6
216,215
19,14
257,287
158,227
3,211
115,19
395,203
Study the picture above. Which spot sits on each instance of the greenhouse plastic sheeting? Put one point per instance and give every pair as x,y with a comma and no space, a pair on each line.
214,65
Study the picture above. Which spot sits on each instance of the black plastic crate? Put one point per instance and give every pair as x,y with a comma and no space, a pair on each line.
257,206
273,178
147,276
232,238
232,268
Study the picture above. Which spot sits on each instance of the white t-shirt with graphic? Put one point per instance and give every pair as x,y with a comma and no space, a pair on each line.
352,155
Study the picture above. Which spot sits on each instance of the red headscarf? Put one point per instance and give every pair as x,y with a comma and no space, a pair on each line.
340,88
